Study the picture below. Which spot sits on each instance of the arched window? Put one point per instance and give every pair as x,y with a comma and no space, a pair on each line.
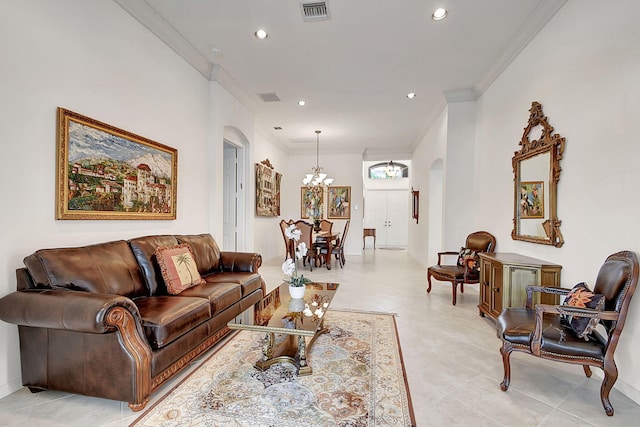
388,170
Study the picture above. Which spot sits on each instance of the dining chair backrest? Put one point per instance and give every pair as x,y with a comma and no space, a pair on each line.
306,230
326,226
344,235
287,244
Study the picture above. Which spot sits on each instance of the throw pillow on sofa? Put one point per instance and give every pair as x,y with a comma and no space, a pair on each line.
178,267
581,296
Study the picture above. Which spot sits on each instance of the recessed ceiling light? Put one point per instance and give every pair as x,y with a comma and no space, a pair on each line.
302,103
411,95
439,14
261,34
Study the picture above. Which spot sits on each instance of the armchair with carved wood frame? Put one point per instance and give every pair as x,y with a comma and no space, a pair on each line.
479,241
542,332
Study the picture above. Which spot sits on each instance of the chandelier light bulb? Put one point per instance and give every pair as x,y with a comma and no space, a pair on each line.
317,179
439,14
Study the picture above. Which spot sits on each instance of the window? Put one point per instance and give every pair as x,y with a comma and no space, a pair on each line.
388,170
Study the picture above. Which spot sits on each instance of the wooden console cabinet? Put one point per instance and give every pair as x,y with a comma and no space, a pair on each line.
505,276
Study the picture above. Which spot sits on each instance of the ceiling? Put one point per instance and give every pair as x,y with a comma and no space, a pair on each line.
353,69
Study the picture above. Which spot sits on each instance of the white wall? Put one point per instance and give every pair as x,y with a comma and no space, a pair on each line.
431,149
583,68
267,238
346,170
93,58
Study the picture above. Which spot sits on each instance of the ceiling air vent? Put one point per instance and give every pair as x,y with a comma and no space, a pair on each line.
314,11
269,97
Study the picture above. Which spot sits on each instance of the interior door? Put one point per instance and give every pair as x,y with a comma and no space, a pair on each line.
230,189
397,218
388,212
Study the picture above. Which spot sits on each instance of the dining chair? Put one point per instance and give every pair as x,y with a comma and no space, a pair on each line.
288,244
306,230
338,247
326,226
321,243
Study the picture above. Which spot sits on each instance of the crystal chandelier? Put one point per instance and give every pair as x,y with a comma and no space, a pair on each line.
317,179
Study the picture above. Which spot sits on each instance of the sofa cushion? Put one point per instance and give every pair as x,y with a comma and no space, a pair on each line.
108,268
167,317
178,267
205,250
248,282
220,295
144,250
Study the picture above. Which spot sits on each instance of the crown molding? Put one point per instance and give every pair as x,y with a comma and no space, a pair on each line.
154,22
538,19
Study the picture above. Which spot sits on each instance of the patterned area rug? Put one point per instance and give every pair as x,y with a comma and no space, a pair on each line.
358,380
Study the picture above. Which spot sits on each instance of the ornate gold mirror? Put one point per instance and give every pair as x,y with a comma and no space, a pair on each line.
536,169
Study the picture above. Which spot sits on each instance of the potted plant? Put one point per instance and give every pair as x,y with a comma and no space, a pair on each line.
297,284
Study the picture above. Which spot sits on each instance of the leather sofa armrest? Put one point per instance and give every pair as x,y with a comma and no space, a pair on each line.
64,309
246,262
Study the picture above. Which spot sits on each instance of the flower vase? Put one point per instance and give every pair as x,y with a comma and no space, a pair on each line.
316,225
297,292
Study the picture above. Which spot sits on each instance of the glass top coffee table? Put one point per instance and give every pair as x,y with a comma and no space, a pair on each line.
290,325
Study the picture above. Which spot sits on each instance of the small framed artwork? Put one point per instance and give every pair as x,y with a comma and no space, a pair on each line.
532,199
108,173
339,206
415,204
311,202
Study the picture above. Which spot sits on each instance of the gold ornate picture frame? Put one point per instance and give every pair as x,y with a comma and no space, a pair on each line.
108,173
537,164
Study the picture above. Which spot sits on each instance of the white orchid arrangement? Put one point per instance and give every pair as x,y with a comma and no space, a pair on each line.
289,266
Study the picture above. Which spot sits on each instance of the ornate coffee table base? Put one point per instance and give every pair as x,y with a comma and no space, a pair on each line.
287,351
290,325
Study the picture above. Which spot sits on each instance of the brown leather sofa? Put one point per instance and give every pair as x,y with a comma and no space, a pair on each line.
98,320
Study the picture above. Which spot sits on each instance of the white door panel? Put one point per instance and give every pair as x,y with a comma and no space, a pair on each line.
388,212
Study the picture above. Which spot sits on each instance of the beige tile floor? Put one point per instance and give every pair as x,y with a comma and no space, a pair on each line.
451,358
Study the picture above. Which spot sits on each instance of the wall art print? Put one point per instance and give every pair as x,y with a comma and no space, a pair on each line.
267,189
311,202
339,203
108,173
532,199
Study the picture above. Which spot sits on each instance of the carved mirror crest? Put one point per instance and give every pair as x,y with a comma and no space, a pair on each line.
536,169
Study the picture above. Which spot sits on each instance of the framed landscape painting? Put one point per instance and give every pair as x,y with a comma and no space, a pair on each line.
108,173
339,203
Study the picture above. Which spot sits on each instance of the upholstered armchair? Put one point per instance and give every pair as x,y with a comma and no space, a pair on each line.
464,270
551,332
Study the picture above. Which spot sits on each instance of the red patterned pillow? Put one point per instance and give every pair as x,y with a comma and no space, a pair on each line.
582,297
178,267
